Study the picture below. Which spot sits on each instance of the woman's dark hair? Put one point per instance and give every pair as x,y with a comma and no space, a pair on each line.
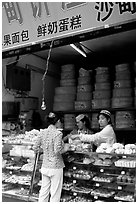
52,118
87,122
106,116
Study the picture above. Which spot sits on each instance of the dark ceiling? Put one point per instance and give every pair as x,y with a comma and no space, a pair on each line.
111,49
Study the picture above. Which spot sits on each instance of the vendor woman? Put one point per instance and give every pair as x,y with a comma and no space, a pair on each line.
83,127
106,135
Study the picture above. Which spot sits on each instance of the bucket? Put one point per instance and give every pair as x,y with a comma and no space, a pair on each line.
64,97
67,82
102,78
122,67
67,68
84,96
69,121
84,88
84,80
122,84
121,102
123,75
84,72
122,92
82,105
65,90
99,94
100,103
102,70
125,119
68,75
94,121
63,106
102,86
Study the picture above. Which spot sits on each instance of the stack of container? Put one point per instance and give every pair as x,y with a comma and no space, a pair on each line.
125,119
122,92
122,97
84,91
102,93
69,121
65,94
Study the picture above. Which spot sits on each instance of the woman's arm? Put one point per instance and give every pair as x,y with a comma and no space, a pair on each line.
37,144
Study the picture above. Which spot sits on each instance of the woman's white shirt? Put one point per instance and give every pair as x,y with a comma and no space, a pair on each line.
106,135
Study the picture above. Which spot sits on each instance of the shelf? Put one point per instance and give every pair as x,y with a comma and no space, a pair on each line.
110,154
97,110
13,194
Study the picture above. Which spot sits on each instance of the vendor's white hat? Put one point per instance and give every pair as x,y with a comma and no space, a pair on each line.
80,117
106,112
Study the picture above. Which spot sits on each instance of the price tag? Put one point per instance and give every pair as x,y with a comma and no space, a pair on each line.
122,172
119,187
74,194
97,184
95,197
74,181
102,170
74,168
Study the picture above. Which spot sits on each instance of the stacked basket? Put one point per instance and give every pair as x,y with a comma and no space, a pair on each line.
102,93
84,91
122,92
65,94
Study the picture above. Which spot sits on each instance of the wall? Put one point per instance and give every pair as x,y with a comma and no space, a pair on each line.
36,80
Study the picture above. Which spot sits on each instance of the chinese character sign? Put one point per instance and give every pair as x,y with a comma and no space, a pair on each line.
26,23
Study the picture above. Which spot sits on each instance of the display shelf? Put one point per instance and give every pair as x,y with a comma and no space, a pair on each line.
106,190
14,194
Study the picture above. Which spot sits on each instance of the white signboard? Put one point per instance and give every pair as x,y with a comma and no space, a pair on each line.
26,23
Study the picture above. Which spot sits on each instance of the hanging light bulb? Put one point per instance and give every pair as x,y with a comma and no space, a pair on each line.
43,106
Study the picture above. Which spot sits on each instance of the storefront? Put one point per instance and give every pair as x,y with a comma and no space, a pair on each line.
37,42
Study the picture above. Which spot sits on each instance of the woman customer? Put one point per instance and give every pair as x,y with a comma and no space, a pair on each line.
52,165
106,135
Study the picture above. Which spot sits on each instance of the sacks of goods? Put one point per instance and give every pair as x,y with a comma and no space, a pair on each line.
102,93
65,94
69,121
122,92
125,119
84,91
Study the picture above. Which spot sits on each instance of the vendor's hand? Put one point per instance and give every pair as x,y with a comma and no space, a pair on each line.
73,137
66,147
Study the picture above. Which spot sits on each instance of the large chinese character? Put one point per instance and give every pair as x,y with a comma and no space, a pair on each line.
12,11
127,7
75,22
104,7
7,40
70,5
15,37
36,9
42,30
63,24
52,27
24,35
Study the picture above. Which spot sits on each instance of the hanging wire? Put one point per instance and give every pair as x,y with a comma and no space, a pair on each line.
44,76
